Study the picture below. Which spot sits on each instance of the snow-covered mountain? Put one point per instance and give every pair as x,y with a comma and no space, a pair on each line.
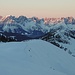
31,27
58,31
28,26
34,57
63,36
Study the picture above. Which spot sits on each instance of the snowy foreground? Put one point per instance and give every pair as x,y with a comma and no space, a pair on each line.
35,57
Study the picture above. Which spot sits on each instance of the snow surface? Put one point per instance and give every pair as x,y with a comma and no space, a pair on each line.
34,57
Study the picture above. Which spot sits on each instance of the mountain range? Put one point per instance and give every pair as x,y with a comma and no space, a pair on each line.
58,31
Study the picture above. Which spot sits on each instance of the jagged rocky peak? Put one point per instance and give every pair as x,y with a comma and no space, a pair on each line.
20,19
8,19
67,20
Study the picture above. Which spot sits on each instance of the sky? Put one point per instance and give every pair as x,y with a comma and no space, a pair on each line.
38,8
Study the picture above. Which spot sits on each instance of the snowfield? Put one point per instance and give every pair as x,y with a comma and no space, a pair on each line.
34,57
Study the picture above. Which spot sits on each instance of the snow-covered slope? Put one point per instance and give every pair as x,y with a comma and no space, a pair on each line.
63,36
34,57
